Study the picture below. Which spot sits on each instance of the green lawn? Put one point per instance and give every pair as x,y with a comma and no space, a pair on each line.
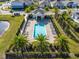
1,3
9,35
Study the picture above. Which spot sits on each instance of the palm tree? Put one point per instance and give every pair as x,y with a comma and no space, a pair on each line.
21,44
41,44
56,10
70,12
65,15
62,44
66,19
36,3
70,0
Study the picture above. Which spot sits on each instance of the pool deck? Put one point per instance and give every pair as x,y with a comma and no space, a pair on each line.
51,34
30,29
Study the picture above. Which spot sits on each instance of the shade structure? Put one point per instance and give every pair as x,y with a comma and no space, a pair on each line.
59,5
39,12
72,4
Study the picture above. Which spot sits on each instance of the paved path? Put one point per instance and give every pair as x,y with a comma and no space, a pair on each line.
29,30
50,32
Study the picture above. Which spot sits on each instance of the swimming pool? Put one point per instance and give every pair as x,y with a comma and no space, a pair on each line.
4,25
39,29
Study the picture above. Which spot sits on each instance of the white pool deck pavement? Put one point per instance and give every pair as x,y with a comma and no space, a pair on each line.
29,30
50,36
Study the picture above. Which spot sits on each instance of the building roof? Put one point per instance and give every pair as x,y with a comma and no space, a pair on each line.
28,3
17,5
59,5
72,4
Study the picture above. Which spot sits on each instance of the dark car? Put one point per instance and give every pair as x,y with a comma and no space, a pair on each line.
16,14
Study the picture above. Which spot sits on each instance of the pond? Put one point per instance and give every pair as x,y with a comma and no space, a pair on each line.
4,25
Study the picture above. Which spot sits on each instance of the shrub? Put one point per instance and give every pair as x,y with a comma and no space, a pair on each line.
27,10
31,7
46,8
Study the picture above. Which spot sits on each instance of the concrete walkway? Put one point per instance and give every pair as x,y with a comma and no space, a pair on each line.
51,34
29,30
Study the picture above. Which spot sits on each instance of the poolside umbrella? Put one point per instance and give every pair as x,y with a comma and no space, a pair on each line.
72,5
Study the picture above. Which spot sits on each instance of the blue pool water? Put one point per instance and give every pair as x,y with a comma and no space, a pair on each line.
39,29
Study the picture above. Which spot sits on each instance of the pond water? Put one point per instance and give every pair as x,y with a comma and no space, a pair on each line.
4,25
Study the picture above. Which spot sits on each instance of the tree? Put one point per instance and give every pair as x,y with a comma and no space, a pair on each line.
70,0
41,44
66,19
32,7
36,3
21,44
46,8
56,10
65,15
62,44
27,10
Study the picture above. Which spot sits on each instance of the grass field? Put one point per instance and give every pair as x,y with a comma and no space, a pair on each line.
9,35
1,3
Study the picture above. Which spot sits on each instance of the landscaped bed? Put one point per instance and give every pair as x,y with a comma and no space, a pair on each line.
10,34
69,43
73,46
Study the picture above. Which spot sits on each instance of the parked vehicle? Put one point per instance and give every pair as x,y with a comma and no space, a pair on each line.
16,14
